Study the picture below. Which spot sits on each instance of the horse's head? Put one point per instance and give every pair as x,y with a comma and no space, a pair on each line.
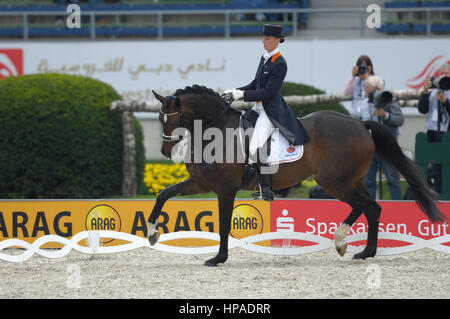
183,108
171,116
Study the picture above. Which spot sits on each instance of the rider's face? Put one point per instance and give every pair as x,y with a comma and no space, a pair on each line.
270,43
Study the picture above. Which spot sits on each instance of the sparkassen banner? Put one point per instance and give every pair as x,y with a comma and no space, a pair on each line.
30,219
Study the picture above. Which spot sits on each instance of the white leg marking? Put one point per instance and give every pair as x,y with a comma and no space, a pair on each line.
151,229
340,234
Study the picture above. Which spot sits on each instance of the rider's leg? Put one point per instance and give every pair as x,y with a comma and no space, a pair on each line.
262,132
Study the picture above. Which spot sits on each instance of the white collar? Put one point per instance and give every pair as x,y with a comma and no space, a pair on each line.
267,55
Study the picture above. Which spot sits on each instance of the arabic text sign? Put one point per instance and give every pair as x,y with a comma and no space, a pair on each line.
134,68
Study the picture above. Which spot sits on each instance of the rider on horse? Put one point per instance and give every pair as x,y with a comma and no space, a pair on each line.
273,111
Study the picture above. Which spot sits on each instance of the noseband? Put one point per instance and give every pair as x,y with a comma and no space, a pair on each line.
182,122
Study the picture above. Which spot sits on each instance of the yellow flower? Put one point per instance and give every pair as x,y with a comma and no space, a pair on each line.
159,176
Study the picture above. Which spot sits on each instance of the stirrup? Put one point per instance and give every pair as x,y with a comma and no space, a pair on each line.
267,196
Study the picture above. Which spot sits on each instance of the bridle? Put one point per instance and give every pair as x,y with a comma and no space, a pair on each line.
182,120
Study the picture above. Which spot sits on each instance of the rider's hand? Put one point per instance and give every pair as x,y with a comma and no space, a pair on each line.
237,94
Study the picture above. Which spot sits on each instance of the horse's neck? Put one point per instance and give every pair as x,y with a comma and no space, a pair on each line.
218,117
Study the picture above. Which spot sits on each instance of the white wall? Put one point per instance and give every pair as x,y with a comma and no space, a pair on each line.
167,65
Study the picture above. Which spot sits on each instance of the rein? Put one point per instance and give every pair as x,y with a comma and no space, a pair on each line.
182,122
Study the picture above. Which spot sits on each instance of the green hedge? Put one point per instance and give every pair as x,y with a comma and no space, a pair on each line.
58,138
290,88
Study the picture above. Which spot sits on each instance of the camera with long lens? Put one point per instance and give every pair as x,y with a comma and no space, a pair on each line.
362,69
380,98
442,83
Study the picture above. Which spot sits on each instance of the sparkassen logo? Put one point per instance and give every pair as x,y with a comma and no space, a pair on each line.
11,62
246,221
103,217
431,69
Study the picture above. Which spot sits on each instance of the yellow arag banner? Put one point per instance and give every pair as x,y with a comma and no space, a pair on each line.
31,219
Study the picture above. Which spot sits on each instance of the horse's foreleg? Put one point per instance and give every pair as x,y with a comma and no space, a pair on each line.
226,204
186,187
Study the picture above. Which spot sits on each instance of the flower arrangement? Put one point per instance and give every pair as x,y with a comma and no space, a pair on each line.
158,176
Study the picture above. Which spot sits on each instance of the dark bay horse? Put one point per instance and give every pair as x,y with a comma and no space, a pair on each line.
338,155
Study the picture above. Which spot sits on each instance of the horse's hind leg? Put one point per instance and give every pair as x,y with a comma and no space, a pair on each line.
341,232
372,212
362,203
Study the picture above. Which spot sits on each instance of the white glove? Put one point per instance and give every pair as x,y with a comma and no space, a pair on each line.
227,91
237,94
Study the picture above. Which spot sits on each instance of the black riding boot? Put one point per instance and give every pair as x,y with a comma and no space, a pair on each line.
265,186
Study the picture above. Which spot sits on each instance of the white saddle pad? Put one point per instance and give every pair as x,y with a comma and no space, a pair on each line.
281,150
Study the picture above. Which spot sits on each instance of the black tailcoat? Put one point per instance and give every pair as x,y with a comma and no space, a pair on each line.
266,87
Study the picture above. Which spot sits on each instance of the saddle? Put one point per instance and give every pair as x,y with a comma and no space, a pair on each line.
278,149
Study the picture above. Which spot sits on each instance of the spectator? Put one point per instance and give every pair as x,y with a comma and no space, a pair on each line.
428,104
391,116
355,87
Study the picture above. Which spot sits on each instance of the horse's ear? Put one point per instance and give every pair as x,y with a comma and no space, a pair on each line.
160,98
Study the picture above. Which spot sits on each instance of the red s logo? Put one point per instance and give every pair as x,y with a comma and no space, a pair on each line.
11,62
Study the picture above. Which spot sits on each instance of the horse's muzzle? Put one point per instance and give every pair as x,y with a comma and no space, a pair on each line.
167,153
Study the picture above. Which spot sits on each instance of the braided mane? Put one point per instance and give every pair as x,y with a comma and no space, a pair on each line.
202,90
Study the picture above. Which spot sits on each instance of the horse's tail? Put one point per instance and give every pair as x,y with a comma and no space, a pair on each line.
389,150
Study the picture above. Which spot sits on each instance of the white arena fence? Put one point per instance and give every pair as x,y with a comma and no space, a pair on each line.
93,247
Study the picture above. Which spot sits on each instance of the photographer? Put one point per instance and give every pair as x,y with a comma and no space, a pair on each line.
387,111
355,87
435,103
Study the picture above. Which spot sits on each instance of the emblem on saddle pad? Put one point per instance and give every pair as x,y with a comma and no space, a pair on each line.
290,149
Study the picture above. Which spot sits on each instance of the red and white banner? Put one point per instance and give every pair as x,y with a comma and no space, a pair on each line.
323,217
283,227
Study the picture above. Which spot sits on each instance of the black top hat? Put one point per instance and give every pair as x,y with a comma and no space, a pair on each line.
274,31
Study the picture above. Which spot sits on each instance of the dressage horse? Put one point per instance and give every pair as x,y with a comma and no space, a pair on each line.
338,155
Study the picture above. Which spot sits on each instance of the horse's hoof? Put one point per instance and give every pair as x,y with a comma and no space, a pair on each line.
359,256
342,250
214,261
210,263
153,239
365,254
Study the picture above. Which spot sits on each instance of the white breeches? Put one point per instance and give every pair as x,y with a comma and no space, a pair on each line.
263,129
